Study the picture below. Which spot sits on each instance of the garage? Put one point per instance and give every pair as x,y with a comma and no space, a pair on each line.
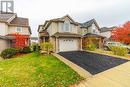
68,44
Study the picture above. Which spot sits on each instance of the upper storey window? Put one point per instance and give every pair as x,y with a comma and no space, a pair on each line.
66,26
19,29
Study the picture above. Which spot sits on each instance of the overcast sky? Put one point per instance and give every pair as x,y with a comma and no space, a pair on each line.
106,12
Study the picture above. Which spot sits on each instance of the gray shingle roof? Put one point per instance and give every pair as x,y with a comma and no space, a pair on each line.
89,23
20,21
105,29
4,17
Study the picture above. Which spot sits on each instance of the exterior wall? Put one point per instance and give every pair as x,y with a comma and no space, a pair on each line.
3,29
73,28
96,29
4,44
83,31
12,29
93,29
53,28
106,34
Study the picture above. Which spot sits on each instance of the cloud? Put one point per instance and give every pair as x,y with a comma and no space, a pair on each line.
106,12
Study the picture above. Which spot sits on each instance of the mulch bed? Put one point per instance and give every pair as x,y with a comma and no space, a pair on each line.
92,62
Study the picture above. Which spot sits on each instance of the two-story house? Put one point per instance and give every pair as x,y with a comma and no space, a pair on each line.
91,29
10,24
62,32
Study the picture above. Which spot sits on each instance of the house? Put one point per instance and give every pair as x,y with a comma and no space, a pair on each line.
10,23
63,33
107,32
91,29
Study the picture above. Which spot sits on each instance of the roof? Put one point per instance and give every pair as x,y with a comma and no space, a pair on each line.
89,23
105,29
48,22
66,34
95,35
18,21
4,17
6,37
45,34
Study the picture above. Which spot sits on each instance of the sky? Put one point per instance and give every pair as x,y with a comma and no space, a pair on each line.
106,12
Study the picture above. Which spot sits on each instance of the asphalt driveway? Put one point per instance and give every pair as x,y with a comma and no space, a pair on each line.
92,62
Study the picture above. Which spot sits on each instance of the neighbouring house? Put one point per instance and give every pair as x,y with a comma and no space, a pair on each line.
91,29
63,33
34,40
107,32
10,23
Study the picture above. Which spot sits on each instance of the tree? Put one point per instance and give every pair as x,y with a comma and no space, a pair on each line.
20,40
122,33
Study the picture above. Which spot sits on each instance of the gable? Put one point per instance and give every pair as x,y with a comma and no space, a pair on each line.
67,19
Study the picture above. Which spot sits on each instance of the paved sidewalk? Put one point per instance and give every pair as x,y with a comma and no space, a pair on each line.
116,77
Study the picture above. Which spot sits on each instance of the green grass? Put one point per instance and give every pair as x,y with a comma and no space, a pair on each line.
36,71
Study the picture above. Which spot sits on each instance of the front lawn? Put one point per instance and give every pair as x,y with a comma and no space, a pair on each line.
32,70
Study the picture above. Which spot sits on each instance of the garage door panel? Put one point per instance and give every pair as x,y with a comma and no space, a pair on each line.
68,44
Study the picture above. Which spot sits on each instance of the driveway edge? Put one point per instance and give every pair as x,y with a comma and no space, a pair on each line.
82,72
116,56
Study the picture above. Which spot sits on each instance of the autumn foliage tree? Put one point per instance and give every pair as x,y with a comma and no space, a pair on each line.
122,33
21,41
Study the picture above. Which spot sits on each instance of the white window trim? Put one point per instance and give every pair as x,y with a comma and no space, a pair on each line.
17,28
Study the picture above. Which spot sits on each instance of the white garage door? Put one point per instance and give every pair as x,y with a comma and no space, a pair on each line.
68,45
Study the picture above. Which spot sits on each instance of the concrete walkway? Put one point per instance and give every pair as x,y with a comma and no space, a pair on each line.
116,77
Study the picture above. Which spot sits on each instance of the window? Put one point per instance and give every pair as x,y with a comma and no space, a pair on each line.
67,26
94,31
19,29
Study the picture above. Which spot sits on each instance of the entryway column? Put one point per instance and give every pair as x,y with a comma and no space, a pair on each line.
57,45
81,44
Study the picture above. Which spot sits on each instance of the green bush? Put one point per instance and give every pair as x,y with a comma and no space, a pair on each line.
35,47
117,50
26,50
91,46
8,53
46,46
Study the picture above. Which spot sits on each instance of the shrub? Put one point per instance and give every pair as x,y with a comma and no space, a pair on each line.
91,46
117,50
8,53
46,46
34,47
26,50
